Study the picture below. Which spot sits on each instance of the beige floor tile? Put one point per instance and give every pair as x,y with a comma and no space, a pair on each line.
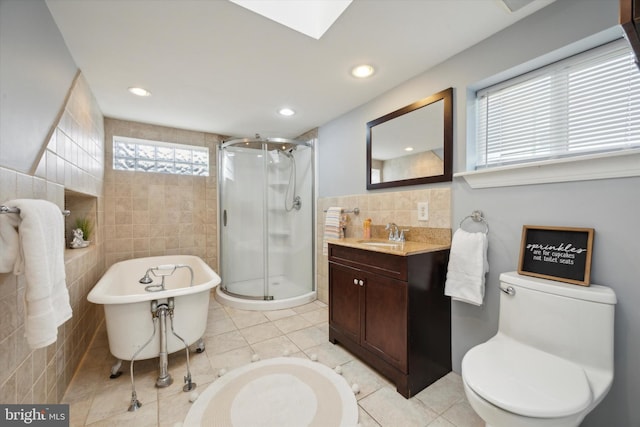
441,422
99,401
390,409
279,314
368,381
462,415
330,354
365,420
306,307
261,332
84,383
145,416
230,359
219,326
308,337
441,395
174,409
78,411
275,347
316,316
292,323
115,400
225,342
454,377
249,318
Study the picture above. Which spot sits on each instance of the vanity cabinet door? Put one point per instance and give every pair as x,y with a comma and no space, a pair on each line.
344,299
384,322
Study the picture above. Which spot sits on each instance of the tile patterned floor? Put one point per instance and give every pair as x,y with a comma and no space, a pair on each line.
232,337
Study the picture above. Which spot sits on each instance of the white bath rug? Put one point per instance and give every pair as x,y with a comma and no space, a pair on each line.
278,392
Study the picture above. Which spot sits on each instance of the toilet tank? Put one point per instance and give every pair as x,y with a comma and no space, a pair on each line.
571,321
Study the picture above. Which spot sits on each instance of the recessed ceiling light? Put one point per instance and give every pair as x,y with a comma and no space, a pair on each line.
362,71
139,91
286,112
408,149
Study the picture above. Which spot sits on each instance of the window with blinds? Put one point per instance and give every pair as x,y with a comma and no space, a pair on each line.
588,103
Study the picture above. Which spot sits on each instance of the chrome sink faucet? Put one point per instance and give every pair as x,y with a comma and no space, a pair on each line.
395,235
393,231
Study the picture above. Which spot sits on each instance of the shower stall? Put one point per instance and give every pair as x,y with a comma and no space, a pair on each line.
266,223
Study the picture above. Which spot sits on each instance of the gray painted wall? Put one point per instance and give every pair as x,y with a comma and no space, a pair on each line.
610,206
36,72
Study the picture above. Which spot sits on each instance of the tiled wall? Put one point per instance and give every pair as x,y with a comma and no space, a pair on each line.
71,160
399,207
149,214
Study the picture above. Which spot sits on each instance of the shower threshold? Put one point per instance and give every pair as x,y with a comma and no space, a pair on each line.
251,297
283,294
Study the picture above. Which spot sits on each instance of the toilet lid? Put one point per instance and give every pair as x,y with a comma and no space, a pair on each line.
525,380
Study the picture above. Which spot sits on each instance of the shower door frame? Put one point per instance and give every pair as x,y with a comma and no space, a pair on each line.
265,143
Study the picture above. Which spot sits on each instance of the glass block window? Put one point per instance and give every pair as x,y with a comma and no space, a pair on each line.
131,154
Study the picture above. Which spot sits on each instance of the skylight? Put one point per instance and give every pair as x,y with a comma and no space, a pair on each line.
311,17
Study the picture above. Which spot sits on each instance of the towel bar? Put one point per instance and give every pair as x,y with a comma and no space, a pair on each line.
477,216
355,211
6,209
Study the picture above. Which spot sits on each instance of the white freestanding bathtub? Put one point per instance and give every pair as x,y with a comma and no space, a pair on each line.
128,306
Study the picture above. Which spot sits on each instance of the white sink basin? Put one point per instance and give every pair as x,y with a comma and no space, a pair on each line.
389,245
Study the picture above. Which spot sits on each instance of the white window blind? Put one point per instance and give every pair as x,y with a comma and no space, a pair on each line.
585,104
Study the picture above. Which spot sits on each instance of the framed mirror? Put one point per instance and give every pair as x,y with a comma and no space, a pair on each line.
412,145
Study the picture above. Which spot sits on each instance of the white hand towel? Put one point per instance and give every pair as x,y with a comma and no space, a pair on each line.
467,267
332,226
40,257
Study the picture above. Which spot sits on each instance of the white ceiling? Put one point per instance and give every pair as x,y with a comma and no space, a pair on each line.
214,66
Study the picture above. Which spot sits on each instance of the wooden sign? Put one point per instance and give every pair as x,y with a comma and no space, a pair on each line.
557,253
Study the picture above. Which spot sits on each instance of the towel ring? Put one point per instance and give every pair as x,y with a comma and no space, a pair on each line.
477,216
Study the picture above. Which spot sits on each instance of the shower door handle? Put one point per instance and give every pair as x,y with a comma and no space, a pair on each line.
224,218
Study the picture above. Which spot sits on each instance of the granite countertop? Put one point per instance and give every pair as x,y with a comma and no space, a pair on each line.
389,247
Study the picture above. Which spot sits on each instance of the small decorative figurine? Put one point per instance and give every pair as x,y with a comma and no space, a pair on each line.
78,239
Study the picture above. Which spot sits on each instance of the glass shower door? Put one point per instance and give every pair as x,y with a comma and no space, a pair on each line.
243,221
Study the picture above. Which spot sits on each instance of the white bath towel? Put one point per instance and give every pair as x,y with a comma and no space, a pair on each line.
332,226
9,241
467,267
39,255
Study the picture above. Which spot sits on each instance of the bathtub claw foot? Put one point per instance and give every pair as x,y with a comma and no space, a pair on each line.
200,346
115,369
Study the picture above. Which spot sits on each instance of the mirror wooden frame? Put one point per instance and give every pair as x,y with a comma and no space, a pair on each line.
447,175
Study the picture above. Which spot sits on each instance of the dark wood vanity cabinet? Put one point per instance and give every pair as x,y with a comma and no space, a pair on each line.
391,312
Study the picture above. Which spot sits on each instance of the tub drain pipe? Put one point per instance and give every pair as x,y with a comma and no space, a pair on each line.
188,384
135,403
164,378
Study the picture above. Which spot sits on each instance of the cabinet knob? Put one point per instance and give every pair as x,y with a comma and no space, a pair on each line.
361,282
355,281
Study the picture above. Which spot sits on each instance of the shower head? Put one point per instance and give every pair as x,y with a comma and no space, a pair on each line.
288,153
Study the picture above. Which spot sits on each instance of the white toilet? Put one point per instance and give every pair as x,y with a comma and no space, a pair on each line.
551,361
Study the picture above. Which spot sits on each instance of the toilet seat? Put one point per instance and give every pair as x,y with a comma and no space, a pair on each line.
524,380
